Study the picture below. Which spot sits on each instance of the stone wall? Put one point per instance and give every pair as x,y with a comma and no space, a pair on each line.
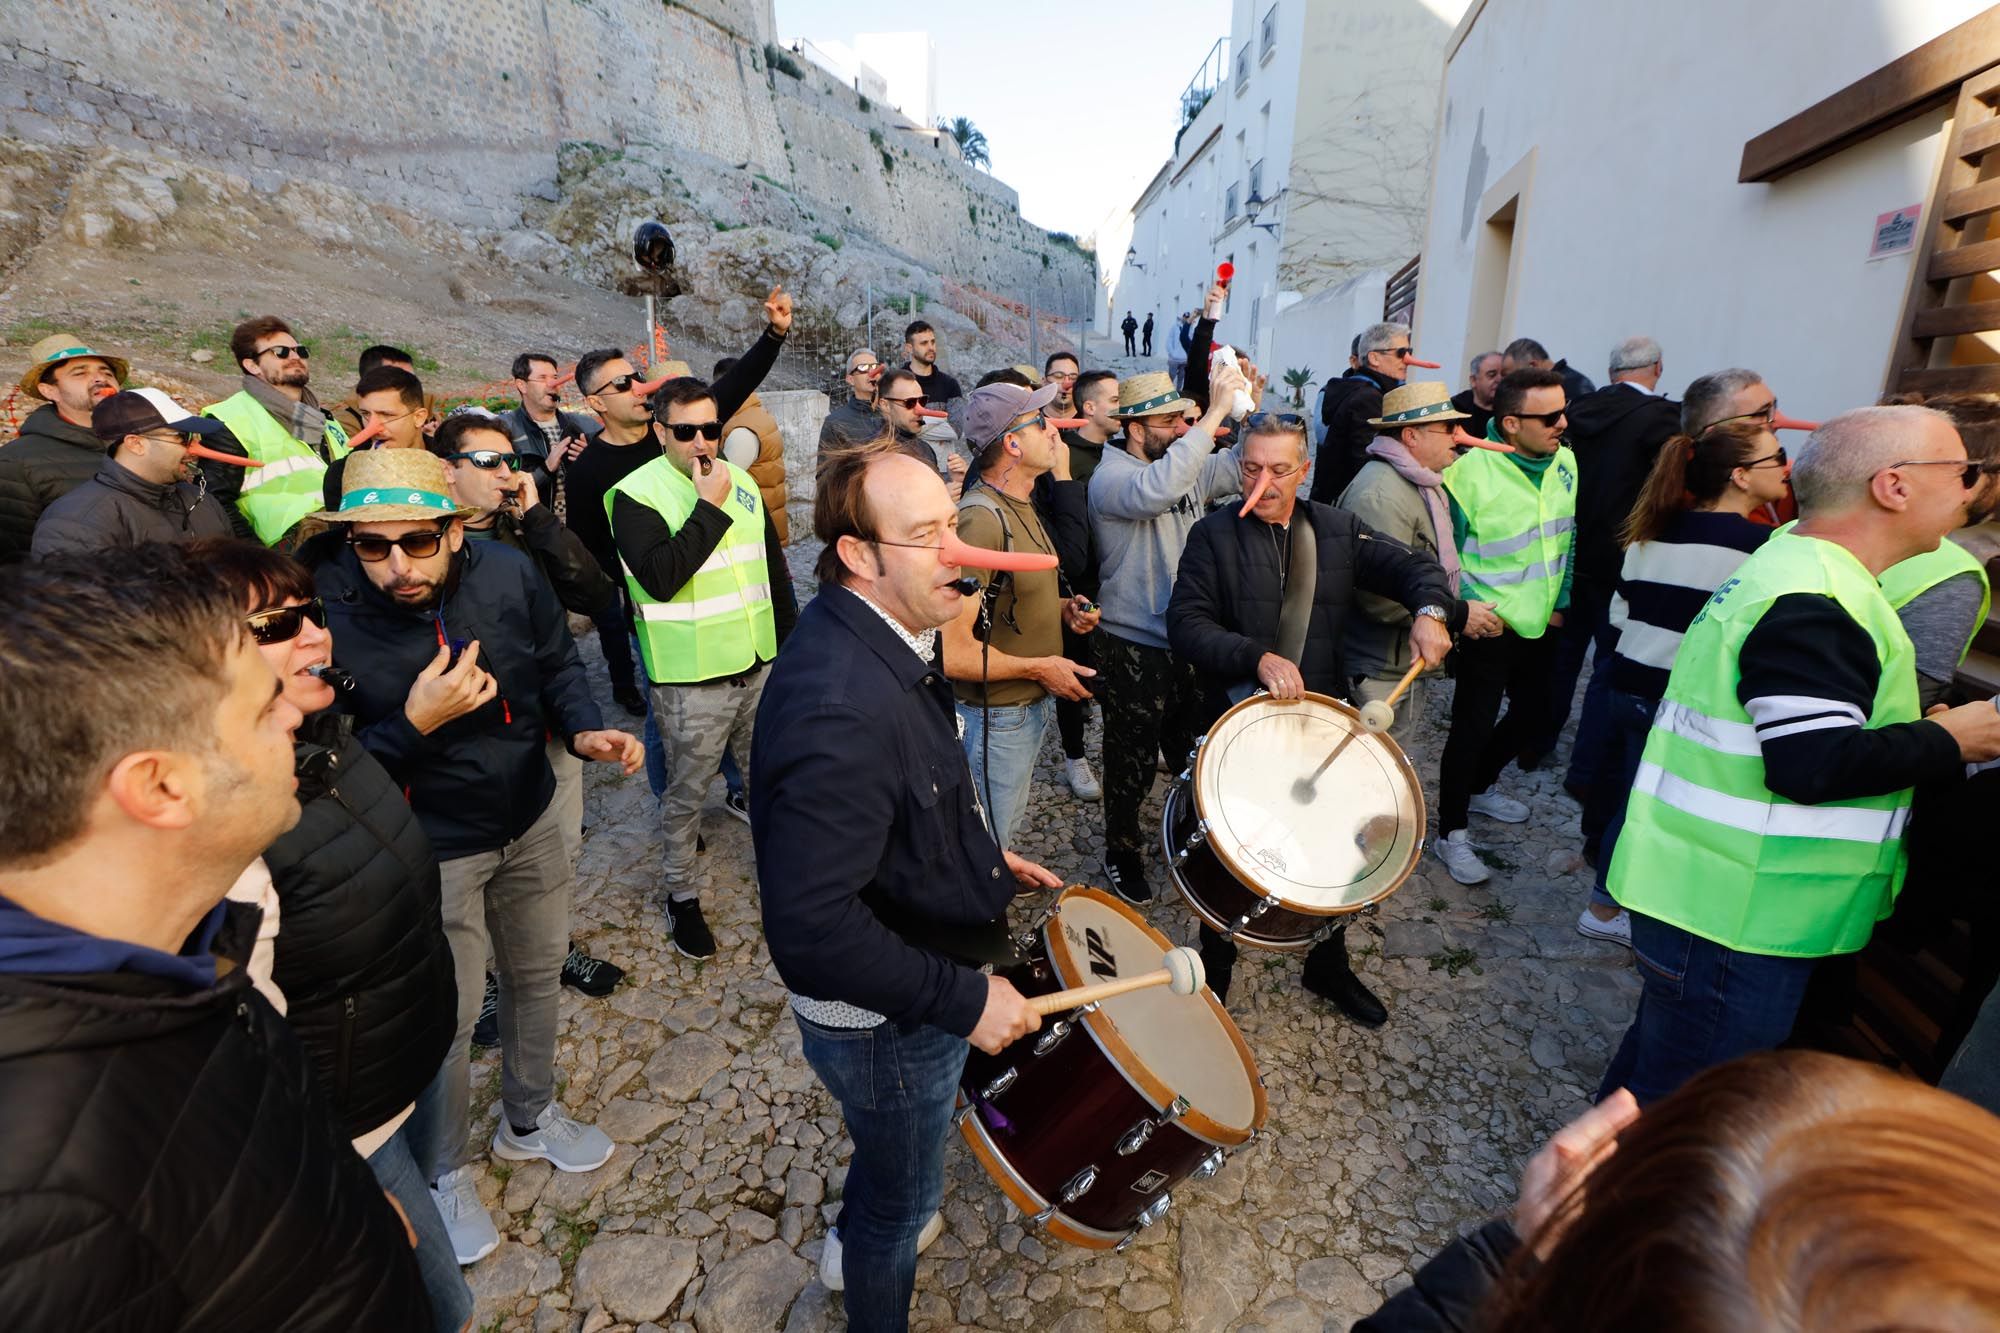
456,108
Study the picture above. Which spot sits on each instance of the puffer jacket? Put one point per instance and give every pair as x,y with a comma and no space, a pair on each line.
171,1164
769,469
50,458
361,953
118,507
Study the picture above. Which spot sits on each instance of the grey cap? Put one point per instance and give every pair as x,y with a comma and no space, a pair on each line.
990,411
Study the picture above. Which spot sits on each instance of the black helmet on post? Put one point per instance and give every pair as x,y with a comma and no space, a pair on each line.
652,247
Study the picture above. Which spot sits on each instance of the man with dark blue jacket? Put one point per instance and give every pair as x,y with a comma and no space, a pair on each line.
463,662
883,892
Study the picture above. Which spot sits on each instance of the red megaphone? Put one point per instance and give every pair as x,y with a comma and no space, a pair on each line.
1460,438
1779,421
1257,489
956,552
936,413
1224,273
1423,365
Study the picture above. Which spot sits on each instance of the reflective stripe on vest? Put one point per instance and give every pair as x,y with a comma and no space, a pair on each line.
1707,845
1904,582
721,620
291,483
1519,534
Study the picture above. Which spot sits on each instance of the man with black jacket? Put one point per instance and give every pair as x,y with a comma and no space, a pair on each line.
1354,399
1227,619
173,1163
883,893
147,489
55,451
545,436
463,662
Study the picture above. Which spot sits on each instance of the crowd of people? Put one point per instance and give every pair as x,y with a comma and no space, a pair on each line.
293,726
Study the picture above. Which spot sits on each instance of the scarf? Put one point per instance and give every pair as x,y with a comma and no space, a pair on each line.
1430,485
303,420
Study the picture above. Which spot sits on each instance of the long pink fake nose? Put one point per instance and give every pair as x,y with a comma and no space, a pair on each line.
956,552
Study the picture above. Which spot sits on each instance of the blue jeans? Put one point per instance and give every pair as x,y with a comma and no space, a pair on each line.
1587,758
614,637
1012,739
444,1282
1628,717
1703,1004
896,1092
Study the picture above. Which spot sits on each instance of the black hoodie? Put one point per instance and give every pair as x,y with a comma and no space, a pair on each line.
1349,403
1616,433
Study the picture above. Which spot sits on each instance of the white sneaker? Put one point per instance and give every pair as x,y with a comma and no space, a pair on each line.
1081,780
833,1279
1455,850
1495,806
466,1220
557,1139
1618,930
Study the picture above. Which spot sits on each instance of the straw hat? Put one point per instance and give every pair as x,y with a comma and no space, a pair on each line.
1414,404
57,348
1149,394
393,486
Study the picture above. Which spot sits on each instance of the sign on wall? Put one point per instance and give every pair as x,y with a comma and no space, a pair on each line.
1896,233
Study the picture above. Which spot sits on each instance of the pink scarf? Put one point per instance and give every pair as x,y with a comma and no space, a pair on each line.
1430,485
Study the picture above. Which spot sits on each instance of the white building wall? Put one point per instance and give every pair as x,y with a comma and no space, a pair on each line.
1620,137
908,64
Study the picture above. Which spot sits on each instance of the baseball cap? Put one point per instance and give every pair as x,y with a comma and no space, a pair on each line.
991,410
136,411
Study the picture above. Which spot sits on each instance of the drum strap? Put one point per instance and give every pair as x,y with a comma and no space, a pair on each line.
1295,614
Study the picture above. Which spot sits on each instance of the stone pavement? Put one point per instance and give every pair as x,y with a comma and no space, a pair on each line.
1380,1146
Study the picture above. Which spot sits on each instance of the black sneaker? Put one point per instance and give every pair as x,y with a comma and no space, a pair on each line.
628,698
1126,874
1329,975
486,1032
591,976
690,931
738,803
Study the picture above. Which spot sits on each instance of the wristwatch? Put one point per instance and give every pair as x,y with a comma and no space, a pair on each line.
1437,613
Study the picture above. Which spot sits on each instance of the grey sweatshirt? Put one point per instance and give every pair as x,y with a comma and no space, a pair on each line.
1140,514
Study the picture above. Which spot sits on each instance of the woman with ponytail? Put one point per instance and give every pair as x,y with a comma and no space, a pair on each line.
1689,531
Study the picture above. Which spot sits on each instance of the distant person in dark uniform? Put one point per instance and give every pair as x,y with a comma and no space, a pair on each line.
1130,327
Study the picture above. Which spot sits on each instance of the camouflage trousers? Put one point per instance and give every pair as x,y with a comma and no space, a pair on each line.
1151,704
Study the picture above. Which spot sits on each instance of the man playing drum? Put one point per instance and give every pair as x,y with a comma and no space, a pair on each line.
883,892
1259,602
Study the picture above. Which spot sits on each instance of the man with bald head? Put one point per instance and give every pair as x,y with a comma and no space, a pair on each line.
1765,829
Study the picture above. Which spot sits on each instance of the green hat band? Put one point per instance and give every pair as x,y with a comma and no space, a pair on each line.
1151,404
378,496
1419,413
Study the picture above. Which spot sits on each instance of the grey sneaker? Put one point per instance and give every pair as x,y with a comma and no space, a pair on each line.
1459,858
466,1220
1495,806
833,1279
558,1140
1082,781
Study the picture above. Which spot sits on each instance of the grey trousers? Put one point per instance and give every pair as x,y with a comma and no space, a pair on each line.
696,724
568,800
515,902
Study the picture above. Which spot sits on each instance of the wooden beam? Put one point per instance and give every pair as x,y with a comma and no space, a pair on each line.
1951,379
1979,140
1970,202
1947,320
1965,261
1921,81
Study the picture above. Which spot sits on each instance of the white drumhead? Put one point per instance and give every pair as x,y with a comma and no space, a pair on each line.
1184,1041
1353,839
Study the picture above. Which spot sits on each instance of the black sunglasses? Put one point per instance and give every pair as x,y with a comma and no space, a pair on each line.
619,385
918,401
1548,419
687,430
1261,420
281,624
487,459
416,545
285,352
1779,458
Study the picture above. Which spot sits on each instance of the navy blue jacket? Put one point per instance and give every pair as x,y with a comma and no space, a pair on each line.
479,781
880,883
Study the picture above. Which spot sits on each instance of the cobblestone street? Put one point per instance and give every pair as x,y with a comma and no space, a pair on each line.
1380,1146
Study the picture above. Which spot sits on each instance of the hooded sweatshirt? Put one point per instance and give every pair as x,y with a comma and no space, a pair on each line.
1140,514
1616,434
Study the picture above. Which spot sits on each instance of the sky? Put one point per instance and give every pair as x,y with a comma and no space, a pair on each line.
1079,102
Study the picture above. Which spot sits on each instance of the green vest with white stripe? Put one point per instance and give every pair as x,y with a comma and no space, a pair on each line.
1907,580
721,621
291,483
1518,535
1710,848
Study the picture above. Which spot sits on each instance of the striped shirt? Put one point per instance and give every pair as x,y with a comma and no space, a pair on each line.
1662,587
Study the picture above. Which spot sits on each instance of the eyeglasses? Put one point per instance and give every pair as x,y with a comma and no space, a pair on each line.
383,418
1066,376
619,385
1766,414
1272,470
916,402
416,545
685,431
487,460
1969,473
286,351
281,624
1779,458
1548,419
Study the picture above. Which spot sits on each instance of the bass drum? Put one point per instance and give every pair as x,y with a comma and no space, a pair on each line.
1273,857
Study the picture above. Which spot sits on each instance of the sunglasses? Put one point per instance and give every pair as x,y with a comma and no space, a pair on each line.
619,385
918,401
685,431
1766,414
1548,419
1262,420
1969,473
1039,419
281,624
1779,458
286,351
487,459
1400,353
865,370
416,545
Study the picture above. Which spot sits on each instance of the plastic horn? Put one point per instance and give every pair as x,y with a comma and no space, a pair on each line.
647,388
1257,489
1779,421
957,552
1182,973
1464,440
1424,365
215,455
1068,423
1378,715
567,377
1225,273
935,413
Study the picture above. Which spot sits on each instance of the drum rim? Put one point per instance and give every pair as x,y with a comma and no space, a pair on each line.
1249,878
1002,1173
1120,1053
1248,937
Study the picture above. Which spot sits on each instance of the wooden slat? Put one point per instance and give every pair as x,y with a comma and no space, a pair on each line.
1911,353
1971,202
1951,379
1923,80
1979,140
1965,261
1946,320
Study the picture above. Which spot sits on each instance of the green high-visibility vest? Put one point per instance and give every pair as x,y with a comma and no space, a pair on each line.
1710,848
1518,534
291,483
721,621
1907,580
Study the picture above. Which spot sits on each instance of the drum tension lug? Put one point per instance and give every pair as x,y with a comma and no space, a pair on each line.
1079,1185
1047,1041
999,1085
1208,1166
958,1116
1148,1215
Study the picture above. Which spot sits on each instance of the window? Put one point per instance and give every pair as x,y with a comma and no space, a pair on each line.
1229,203
1267,35
1257,179
1243,69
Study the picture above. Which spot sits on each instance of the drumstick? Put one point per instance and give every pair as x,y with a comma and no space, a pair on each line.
1379,715
1183,974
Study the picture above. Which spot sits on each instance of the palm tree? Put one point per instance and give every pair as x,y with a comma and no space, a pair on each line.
1299,379
971,143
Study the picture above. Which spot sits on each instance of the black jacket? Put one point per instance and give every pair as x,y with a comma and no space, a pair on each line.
1064,508
478,781
530,443
1227,597
171,1164
1576,384
1482,417
1616,433
361,953
580,582
880,884
1450,1290
49,459
117,507
1345,410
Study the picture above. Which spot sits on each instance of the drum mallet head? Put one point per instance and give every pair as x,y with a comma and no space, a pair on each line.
1377,716
1187,975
